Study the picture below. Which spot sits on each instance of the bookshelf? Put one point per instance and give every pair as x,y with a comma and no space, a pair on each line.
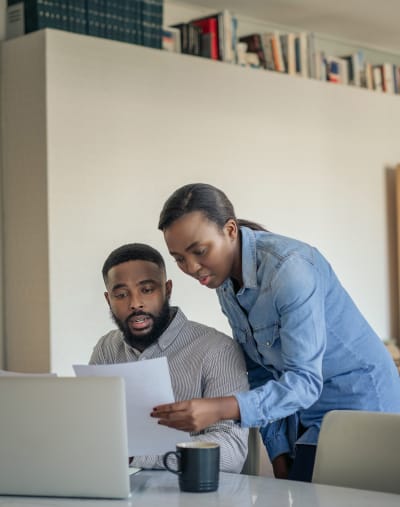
251,21
175,12
97,133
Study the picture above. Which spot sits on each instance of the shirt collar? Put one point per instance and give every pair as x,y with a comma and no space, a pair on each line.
173,329
249,262
249,258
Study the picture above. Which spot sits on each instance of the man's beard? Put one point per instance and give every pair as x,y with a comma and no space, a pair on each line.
160,323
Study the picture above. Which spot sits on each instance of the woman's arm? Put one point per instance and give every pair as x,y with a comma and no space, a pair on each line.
197,414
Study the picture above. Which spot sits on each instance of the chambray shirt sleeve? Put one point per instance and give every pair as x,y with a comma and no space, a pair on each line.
274,436
299,302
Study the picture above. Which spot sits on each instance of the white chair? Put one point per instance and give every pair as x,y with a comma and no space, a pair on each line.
358,449
257,462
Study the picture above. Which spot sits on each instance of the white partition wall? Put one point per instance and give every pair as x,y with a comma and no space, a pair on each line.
97,134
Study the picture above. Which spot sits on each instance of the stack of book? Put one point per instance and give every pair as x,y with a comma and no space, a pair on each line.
296,54
354,70
211,36
134,21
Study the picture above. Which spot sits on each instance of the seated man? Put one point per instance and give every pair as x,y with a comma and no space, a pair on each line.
203,362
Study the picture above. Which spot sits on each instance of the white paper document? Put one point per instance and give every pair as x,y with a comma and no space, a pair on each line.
147,384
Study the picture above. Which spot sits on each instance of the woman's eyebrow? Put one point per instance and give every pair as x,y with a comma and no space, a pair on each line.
192,245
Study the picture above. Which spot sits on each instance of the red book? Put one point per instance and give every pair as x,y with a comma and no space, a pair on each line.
209,34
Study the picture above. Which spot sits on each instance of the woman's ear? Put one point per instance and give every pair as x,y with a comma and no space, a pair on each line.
231,229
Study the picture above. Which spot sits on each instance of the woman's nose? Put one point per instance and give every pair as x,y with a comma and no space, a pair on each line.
192,267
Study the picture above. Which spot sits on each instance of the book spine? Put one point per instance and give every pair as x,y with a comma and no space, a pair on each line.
302,39
31,16
311,51
387,78
378,78
209,35
15,22
93,18
234,39
158,18
145,23
266,43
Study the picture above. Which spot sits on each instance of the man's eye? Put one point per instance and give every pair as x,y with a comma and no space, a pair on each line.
120,295
200,252
147,290
178,260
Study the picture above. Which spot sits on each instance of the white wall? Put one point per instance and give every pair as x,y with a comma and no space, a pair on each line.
126,125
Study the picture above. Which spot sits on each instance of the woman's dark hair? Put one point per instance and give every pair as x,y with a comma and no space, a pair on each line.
132,252
209,200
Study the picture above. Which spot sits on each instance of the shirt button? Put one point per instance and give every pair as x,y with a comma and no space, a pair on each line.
268,343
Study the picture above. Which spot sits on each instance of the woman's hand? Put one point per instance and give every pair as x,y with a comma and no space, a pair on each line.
196,414
281,466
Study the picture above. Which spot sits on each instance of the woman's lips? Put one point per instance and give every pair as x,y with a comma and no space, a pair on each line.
204,280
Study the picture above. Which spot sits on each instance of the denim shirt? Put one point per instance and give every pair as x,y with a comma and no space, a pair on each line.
308,348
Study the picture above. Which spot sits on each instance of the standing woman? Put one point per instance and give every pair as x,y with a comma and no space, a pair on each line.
308,348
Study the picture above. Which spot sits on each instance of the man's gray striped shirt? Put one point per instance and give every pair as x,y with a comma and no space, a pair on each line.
203,363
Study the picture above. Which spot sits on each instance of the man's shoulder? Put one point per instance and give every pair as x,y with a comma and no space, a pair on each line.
209,334
113,338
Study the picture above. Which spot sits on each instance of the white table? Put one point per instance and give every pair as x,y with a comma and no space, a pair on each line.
160,489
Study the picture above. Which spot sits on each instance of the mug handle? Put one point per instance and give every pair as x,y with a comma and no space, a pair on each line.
165,462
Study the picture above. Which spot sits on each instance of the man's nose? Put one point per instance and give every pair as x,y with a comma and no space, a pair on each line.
136,302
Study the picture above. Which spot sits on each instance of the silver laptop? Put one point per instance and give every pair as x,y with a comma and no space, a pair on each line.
63,437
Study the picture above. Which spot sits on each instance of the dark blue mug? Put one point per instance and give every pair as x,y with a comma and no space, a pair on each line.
197,465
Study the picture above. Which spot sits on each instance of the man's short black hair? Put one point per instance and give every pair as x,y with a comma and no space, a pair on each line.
132,252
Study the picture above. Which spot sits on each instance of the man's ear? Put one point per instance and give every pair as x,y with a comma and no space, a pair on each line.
168,287
107,296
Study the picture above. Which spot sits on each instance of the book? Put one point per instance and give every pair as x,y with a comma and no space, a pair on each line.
254,45
171,39
337,70
151,20
31,15
15,22
209,36
77,16
388,78
199,43
266,44
301,48
241,51
225,28
378,77
320,66
396,78
369,77
356,68
279,63
311,55
288,52
333,72
184,36
252,60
